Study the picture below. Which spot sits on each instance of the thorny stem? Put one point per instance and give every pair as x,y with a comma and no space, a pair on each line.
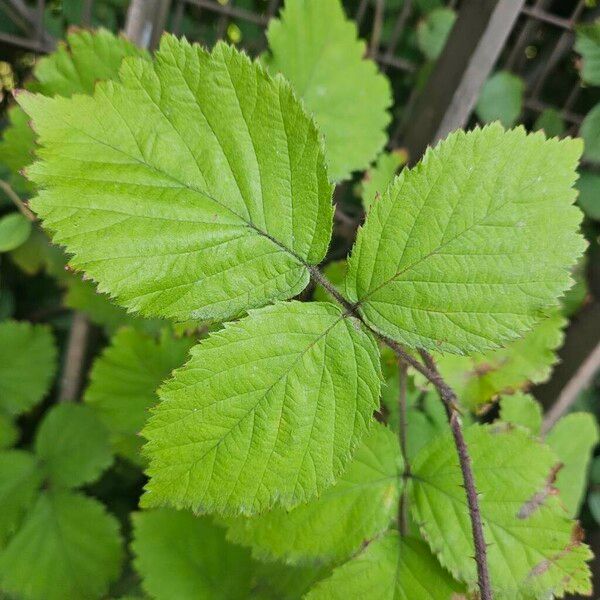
429,369
403,426
14,197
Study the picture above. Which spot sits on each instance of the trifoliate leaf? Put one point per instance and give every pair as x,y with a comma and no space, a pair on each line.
501,99
182,556
14,230
433,31
356,509
27,365
73,445
20,478
534,550
480,378
390,568
587,43
68,547
573,439
316,48
268,411
205,186
522,409
9,432
590,132
377,179
588,185
468,248
550,122
124,380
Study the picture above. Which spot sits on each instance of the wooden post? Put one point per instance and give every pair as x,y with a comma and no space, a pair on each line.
146,21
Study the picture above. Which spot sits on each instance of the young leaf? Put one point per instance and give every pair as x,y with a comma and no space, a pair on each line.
358,507
268,411
377,179
480,378
573,439
27,365
206,189
124,380
68,547
534,550
522,409
316,49
501,99
433,31
20,479
590,132
182,556
14,231
73,445
390,568
587,43
467,249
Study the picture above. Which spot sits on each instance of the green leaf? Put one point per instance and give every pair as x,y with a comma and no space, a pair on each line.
433,31
276,581
20,479
534,550
9,432
587,43
358,507
73,445
14,231
206,189
501,99
390,568
182,556
467,249
38,254
316,48
379,177
124,380
588,185
480,378
27,365
550,122
590,132
268,410
16,146
522,409
573,439
68,547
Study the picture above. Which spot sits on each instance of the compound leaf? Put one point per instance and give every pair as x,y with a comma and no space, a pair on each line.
573,439
182,556
124,380
390,568
357,508
467,250
68,547
534,550
73,445
587,43
315,47
27,365
268,410
206,191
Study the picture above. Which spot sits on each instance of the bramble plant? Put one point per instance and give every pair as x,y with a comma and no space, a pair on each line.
325,447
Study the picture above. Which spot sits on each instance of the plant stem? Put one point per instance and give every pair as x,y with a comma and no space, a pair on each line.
14,197
403,426
72,375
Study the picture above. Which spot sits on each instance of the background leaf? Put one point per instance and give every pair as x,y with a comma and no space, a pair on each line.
501,99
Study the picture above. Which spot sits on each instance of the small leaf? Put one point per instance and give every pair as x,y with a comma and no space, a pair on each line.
573,439
590,132
268,411
124,380
587,43
470,247
501,99
68,547
205,186
390,568
550,122
522,409
378,178
20,479
185,557
14,231
358,507
27,365
73,445
433,31
534,550
315,47
588,185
